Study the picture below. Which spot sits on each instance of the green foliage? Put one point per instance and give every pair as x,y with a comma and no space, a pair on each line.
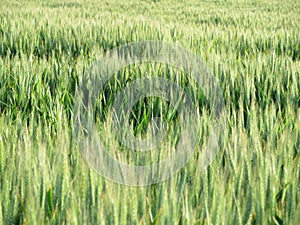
253,49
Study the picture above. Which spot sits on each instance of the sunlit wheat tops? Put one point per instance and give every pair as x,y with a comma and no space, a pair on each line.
252,48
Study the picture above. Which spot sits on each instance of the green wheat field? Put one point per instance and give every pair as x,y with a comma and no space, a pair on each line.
251,46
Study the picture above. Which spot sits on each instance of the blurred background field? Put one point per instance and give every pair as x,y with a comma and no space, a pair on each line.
253,49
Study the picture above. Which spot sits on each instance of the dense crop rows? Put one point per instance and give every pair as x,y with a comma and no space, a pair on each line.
253,49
